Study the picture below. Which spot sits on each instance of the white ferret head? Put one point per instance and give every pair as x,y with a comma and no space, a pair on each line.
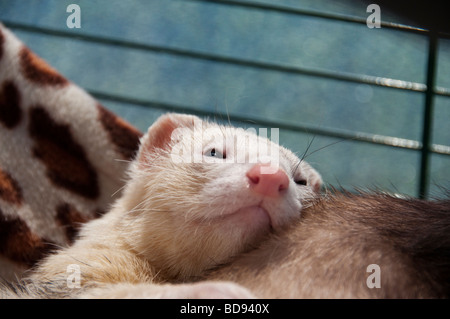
200,193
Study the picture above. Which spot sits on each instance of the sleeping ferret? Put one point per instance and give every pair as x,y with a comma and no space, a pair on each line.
198,195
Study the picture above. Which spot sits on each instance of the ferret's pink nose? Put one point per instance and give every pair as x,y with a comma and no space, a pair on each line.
270,184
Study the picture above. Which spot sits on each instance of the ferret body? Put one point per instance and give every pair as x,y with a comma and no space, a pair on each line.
353,246
198,195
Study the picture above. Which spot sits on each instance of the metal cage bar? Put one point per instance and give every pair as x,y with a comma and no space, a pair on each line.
428,116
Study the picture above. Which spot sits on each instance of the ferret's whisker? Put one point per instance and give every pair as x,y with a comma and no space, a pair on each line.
331,144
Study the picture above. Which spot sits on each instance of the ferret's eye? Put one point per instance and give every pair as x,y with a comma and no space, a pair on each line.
214,153
303,182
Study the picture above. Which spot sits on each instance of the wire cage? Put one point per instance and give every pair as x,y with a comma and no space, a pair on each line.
367,106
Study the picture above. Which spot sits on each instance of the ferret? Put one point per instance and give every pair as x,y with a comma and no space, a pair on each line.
353,245
198,194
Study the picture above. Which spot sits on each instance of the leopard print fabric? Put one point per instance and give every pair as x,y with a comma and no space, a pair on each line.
63,157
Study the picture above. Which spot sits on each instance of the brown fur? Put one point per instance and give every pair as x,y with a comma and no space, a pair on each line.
326,254
124,136
10,111
38,71
9,190
63,157
19,243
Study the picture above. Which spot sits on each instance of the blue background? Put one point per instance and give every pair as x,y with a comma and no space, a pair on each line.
265,36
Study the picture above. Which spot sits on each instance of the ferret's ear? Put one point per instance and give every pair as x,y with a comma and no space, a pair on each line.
316,183
159,134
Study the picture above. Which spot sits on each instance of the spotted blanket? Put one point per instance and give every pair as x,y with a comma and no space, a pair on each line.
63,157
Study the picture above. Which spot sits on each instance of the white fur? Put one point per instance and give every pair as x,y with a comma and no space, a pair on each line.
177,220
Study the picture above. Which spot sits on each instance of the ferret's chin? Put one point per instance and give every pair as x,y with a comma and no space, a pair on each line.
251,218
